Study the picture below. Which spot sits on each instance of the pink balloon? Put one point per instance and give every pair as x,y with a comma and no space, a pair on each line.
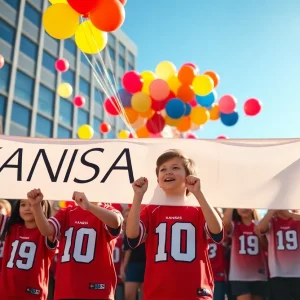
222,137
131,136
227,104
159,89
155,136
79,101
62,65
193,66
191,136
2,61
193,103
252,107
132,82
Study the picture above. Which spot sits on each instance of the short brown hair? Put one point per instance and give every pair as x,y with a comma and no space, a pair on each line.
237,217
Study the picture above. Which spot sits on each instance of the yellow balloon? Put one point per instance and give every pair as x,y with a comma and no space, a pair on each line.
141,102
58,1
60,21
148,76
203,85
90,39
123,134
199,115
172,122
85,132
174,83
165,70
65,90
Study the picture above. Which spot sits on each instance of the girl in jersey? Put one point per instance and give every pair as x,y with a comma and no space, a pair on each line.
27,254
248,269
282,229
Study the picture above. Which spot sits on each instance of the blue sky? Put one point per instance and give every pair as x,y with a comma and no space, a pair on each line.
254,45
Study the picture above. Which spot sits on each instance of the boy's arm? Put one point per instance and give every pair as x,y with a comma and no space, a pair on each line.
42,223
227,219
133,220
264,223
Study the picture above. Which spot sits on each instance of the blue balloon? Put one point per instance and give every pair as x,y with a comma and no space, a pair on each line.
175,108
125,97
229,119
208,100
188,109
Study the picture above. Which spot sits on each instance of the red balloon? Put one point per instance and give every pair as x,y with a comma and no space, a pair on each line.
131,136
79,101
155,124
159,105
62,65
123,2
252,107
112,106
132,82
108,15
222,137
83,7
191,136
104,127
192,65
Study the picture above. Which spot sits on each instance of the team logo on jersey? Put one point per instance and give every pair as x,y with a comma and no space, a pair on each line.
174,218
82,222
203,292
33,291
97,286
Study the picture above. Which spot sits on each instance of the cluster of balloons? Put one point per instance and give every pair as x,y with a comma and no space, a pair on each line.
61,20
2,61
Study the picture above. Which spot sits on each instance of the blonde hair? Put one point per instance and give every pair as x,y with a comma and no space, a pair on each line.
6,205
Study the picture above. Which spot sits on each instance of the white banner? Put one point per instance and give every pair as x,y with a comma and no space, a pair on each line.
233,173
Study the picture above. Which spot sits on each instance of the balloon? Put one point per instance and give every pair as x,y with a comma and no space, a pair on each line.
172,122
142,132
125,97
184,125
185,93
123,134
174,83
222,137
165,70
207,100
227,104
65,90
252,107
199,115
155,135
186,74
188,109
104,127
203,85
108,15
62,65
158,105
141,102
131,114
58,1
79,101
148,76
60,21
140,122
2,61
111,106
82,7
214,76
85,132
159,89
191,136
156,124
214,112
132,82
175,108
193,66
229,119
123,2
89,39
147,114
193,103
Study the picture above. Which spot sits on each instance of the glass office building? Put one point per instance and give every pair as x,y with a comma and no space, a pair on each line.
29,104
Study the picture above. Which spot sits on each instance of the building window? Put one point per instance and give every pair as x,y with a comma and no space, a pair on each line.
112,53
83,117
111,39
21,115
3,102
122,49
122,62
130,67
66,112
13,3
24,88
96,124
70,46
46,101
33,15
63,133
86,60
44,126
84,87
111,134
131,58
7,33
120,85
28,47
99,96
4,77
111,76
49,61
69,77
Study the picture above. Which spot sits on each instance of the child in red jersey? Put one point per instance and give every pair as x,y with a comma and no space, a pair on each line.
87,231
27,254
282,229
177,262
248,269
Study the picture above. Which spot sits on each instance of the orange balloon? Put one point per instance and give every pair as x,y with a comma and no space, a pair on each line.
108,15
185,93
214,76
131,114
148,114
214,112
172,122
185,124
186,74
140,122
143,132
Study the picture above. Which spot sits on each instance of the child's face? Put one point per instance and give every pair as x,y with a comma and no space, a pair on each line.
245,213
25,211
172,175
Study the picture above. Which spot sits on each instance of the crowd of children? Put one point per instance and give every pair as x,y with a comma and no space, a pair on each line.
94,250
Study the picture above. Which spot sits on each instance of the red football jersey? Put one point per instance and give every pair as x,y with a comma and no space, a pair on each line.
25,264
3,222
118,255
284,248
177,262
217,259
247,261
85,267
